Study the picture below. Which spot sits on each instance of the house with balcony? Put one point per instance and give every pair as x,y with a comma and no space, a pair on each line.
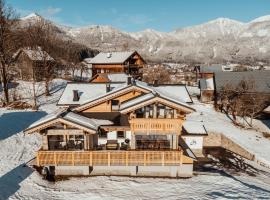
130,63
130,129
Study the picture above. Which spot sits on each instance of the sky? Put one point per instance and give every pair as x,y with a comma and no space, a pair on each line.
137,15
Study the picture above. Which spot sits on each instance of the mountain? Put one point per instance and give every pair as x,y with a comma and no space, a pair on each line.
219,40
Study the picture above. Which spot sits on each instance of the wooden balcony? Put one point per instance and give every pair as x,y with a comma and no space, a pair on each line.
156,126
111,158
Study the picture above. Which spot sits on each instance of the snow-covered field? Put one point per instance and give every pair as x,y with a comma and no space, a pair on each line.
21,182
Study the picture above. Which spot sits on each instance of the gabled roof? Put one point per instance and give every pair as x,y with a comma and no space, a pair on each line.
175,93
150,98
67,117
34,54
111,57
86,91
260,78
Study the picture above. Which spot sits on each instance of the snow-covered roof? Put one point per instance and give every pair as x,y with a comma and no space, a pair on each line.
49,117
179,92
136,101
194,128
259,78
89,123
175,93
117,77
34,54
86,91
267,109
111,57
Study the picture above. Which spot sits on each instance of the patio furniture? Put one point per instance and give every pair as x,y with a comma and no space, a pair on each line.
112,145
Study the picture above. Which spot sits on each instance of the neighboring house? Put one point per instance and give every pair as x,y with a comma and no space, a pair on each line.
32,64
259,80
206,81
212,83
129,62
108,78
130,129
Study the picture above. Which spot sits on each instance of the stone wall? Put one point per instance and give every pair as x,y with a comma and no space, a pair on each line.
219,140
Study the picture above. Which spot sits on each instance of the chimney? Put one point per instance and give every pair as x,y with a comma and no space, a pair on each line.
129,80
76,95
155,83
108,87
109,55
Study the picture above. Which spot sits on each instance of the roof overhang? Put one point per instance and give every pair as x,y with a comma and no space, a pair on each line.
52,122
158,99
109,96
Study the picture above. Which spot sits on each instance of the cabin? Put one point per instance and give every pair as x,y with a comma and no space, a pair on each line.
132,128
130,63
32,63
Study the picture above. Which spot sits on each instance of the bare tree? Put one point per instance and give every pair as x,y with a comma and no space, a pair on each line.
42,39
241,100
156,72
7,43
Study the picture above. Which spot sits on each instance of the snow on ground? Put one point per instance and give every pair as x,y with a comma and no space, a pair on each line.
216,122
21,182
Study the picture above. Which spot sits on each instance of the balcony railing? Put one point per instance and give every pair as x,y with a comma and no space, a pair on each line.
156,126
111,158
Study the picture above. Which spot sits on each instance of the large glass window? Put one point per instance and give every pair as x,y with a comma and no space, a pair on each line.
152,142
75,142
56,142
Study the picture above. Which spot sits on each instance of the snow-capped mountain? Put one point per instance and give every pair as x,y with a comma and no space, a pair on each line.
219,40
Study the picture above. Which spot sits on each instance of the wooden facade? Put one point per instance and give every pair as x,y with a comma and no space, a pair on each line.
29,68
151,136
132,66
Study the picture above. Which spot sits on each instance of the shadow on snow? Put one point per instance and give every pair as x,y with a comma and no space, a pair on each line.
10,182
14,122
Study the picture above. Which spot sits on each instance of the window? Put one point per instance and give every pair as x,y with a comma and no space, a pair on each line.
120,134
115,104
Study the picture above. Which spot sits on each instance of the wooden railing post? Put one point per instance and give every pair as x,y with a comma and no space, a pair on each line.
163,158
181,157
109,158
73,161
91,159
126,158
144,158
54,158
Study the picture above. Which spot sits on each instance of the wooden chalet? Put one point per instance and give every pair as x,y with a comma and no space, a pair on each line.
30,63
130,63
133,129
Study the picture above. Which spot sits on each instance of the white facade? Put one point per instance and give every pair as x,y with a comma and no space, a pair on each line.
194,142
113,136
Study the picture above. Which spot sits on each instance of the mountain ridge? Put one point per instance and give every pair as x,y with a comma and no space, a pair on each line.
219,40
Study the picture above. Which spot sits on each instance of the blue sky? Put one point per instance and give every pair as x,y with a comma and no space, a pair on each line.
137,15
